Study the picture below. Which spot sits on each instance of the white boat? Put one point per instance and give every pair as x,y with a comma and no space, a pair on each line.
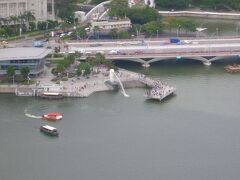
51,95
49,130
207,63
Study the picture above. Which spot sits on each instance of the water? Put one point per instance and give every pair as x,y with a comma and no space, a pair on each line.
191,136
121,85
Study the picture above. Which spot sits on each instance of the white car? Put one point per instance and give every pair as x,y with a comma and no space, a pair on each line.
101,52
62,35
88,53
69,33
186,42
113,52
195,42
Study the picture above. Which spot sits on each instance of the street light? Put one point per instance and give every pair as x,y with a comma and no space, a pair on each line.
179,26
20,32
157,33
199,29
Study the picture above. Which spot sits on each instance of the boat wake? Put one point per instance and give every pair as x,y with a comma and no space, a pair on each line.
31,115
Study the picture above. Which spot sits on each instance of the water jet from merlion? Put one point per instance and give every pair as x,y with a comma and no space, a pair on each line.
112,74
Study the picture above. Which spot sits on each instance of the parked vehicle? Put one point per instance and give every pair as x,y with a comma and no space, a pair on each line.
174,40
51,95
37,43
113,52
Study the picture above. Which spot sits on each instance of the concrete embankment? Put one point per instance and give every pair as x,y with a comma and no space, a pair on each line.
86,87
133,84
79,87
7,89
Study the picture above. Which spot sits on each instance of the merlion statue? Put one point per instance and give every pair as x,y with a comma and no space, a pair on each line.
111,75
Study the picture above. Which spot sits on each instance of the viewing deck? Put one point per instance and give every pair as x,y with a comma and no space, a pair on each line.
159,90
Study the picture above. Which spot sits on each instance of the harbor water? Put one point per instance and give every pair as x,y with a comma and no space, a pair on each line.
193,135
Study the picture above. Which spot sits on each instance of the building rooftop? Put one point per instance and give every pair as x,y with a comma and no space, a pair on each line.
23,53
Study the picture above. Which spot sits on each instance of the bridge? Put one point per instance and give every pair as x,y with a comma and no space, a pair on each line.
147,52
97,11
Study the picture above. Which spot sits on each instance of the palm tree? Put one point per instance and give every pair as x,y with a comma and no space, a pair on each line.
22,19
114,33
14,19
1,21
6,21
29,17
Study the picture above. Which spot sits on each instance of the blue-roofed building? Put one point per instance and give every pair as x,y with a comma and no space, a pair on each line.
34,58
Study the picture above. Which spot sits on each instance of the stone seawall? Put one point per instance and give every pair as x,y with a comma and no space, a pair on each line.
7,89
133,84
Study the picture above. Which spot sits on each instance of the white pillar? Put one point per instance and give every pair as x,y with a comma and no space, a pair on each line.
111,75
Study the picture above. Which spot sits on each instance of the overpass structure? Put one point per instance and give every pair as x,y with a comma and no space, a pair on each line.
97,11
148,52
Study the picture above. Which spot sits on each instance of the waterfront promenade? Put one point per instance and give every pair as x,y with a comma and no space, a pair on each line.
84,87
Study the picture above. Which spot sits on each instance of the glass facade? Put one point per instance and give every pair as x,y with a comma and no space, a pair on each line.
36,66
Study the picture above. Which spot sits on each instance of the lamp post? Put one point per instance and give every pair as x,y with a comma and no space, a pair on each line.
28,77
157,33
179,26
199,30
20,32
13,79
217,31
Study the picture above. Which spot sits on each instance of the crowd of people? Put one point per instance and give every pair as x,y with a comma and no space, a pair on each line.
159,90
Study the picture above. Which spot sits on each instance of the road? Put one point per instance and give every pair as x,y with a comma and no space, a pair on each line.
148,48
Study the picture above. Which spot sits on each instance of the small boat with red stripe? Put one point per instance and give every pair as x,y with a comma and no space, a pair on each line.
52,116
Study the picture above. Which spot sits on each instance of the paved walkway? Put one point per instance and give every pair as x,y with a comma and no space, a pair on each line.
82,86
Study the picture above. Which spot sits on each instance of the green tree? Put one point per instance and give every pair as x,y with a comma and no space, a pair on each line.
118,8
173,4
152,28
142,15
181,24
11,72
25,71
66,13
137,29
83,69
114,33
100,58
97,1
29,17
60,68
15,19
124,35
81,32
